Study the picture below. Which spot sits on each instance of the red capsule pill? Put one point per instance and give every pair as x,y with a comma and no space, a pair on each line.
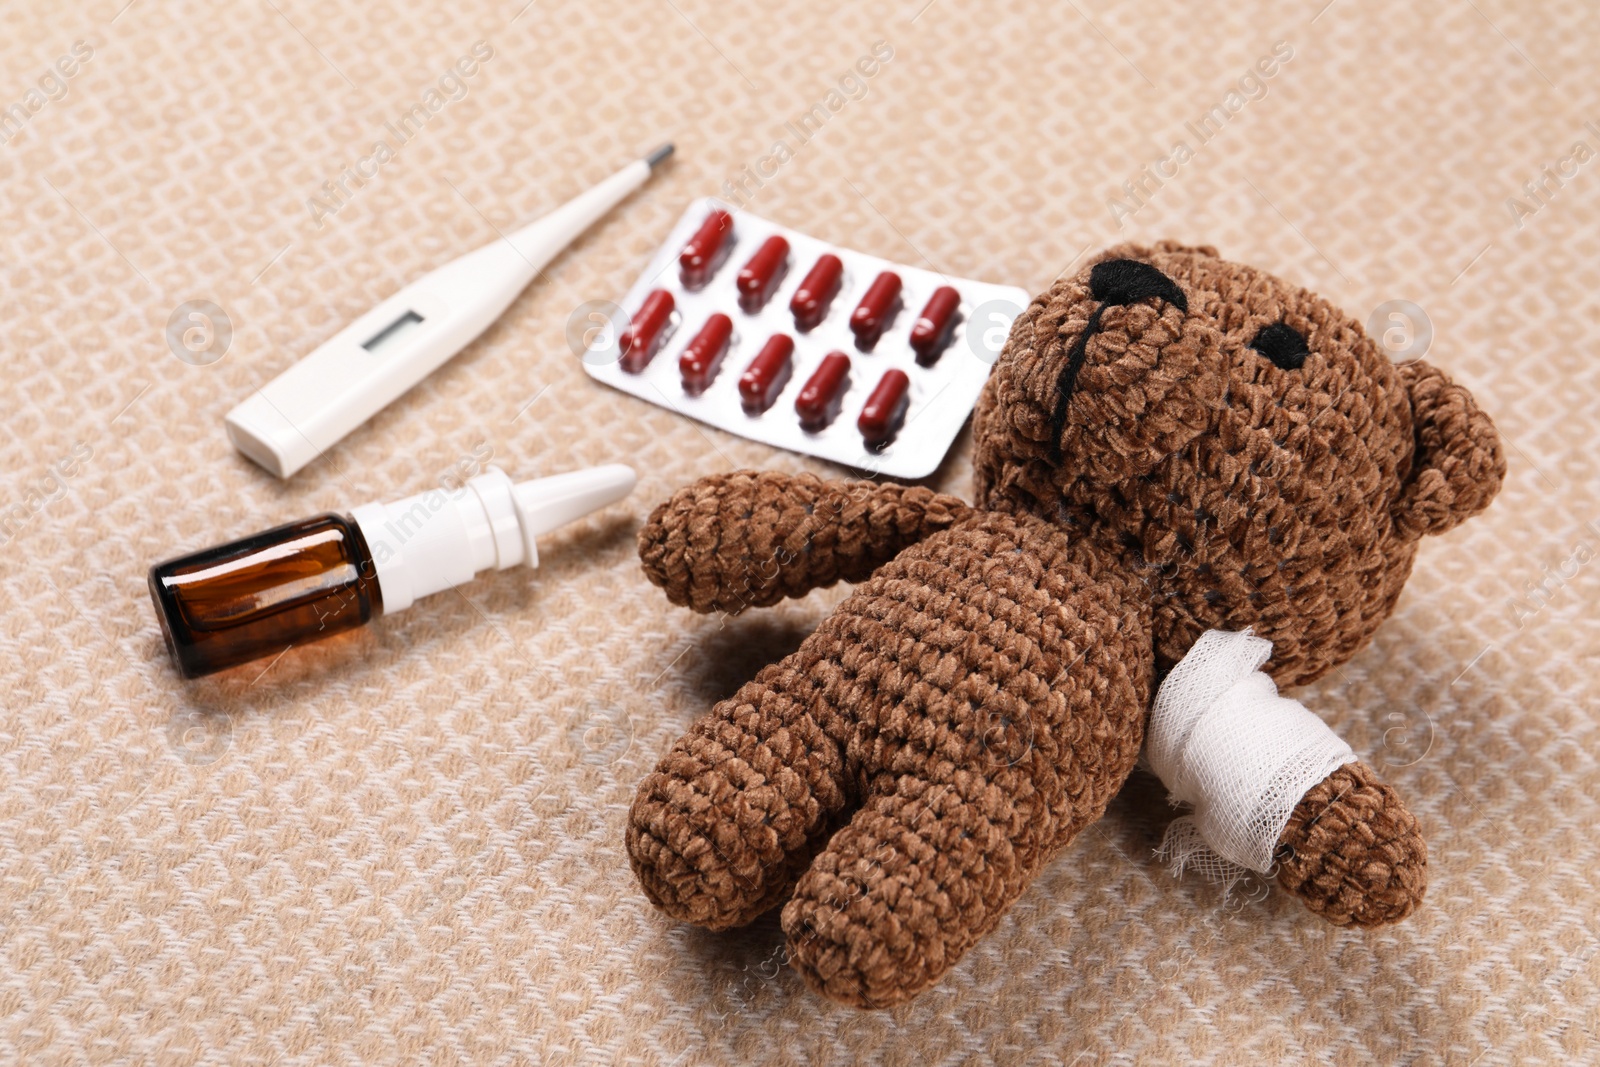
885,409
706,250
823,394
702,357
760,277
767,374
643,337
931,332
816,292
876,310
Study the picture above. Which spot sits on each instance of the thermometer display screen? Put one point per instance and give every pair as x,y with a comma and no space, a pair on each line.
386,337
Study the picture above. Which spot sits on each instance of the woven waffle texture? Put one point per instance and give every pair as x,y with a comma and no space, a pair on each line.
408,845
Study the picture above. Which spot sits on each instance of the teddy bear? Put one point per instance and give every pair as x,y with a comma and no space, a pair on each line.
1170,447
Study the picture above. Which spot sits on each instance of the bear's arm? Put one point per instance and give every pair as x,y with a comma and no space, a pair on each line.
1353,852
752,538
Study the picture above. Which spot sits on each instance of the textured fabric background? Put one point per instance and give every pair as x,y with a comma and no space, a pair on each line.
406,845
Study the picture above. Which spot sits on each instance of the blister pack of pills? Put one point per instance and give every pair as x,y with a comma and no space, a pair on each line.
782,338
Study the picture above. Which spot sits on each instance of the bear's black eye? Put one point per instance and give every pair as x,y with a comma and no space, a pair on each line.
1283,344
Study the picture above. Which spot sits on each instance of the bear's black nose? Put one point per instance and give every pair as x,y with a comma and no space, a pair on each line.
1127,281
1114,283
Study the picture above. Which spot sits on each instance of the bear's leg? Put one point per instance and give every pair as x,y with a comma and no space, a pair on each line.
1003,692
917,877
720,830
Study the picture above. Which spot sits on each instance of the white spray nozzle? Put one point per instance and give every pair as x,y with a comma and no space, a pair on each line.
546,504
439,539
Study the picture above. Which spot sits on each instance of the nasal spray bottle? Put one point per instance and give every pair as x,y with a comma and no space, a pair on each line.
262,595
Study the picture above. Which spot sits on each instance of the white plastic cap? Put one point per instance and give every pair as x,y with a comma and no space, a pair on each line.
440,539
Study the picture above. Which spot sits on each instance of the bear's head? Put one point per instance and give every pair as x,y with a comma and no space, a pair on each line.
1240,443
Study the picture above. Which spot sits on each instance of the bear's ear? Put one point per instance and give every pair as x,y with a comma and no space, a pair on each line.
1457,466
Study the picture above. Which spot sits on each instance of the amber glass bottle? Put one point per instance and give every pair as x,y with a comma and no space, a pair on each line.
263,594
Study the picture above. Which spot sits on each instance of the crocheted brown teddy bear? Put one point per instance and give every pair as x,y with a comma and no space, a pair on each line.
1169,443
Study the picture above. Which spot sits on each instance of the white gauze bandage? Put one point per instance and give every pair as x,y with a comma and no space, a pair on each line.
1222,740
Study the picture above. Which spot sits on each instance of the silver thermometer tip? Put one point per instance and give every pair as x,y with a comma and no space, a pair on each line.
656,158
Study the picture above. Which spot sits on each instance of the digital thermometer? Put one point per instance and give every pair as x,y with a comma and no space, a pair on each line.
308,408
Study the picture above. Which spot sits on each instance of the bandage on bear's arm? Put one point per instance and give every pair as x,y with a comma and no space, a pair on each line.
752,538
1273,788
1352,852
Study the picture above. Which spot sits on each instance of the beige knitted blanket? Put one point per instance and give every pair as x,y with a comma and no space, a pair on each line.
406,846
